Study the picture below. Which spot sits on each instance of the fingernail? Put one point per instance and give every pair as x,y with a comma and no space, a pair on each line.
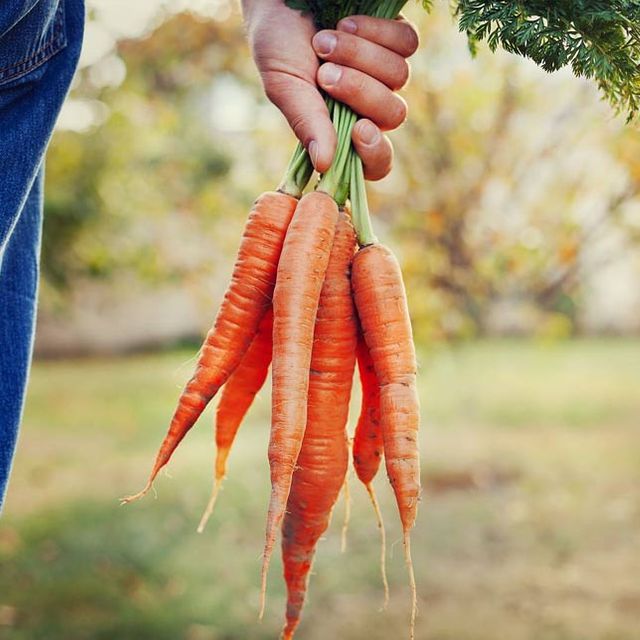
369,133
324,43
313,152
330,73
348,25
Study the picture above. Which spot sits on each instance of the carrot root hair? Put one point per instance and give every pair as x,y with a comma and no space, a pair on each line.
412,585
383,543
137,496
217,483
347,515
272,527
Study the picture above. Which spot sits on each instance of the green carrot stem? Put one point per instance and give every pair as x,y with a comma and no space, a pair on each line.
332,182
359,205
337,180
342,194
298,173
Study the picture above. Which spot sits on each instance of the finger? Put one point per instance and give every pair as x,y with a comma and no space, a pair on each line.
366,56
374,148
365,95
307,114
398,35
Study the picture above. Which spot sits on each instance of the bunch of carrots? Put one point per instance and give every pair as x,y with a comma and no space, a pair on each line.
312,292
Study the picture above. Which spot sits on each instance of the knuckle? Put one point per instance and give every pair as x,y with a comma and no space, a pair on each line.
401,76
378,170
351,85
398,113
342,48
356,83
271,91
299,123
411,39
274,87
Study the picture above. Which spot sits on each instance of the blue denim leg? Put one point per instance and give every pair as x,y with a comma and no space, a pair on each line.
39,49
18,293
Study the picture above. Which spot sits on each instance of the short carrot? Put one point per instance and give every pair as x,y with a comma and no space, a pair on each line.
245,302
237,396
323,459
301,272
368,447
382,308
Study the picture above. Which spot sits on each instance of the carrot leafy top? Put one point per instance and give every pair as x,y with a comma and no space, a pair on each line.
326,13
597,39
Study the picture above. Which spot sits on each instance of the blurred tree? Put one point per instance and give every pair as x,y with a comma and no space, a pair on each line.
506,178
149,156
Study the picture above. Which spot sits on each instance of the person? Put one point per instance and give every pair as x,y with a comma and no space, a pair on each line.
362,63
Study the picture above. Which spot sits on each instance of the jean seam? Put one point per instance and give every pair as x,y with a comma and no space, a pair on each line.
56,42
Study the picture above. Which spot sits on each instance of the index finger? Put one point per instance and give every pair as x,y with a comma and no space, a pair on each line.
397,35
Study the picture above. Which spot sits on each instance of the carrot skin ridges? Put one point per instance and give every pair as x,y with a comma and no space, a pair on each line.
384,316
237,396
322,463
246,300
368,447
301,272
382,308
241,389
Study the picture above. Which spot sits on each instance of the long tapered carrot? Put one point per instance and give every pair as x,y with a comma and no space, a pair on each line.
245,302
237,396
382,308
368,447
301,272
323,459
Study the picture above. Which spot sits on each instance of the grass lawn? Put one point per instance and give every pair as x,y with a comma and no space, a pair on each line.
529,528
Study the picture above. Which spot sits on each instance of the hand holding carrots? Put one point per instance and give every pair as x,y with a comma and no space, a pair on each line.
362,62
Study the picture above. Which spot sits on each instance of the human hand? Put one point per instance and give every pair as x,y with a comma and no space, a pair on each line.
362,63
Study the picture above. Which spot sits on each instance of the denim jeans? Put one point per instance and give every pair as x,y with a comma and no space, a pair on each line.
40,44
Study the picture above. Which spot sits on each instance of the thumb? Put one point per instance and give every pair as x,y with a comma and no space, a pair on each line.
306,112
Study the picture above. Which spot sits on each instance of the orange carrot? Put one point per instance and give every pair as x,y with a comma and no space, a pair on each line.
382,307
301,272
368,447
237,396
245,302
323,459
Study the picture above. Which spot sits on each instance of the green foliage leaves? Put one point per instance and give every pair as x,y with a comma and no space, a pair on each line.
597,39
327,14
154,159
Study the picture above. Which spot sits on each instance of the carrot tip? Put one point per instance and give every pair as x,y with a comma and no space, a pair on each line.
137,496
383,544
263,588
212,501
347,515
412,584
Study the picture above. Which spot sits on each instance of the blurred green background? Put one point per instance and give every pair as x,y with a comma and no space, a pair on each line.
514,208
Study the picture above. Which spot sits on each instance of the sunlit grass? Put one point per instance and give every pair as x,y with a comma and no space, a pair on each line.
530,527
